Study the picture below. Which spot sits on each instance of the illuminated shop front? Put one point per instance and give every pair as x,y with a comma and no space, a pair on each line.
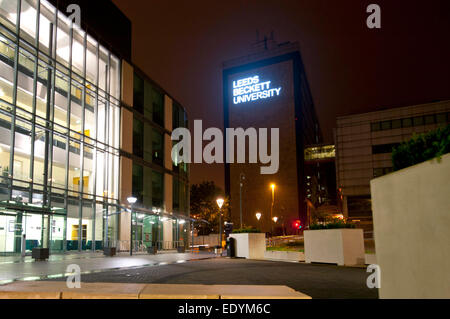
59,132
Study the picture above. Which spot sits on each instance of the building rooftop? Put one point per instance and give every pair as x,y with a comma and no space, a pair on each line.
263,49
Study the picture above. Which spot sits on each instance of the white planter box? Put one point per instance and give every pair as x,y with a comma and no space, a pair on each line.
284,255
250,245
411,217
343,246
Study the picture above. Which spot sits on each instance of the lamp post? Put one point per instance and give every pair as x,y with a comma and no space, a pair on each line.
272,186
131,200
220,203
241,183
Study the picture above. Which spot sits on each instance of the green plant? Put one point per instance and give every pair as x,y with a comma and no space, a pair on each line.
333,224
421,147
245,230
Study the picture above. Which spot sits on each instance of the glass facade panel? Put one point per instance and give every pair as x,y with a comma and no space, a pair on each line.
138,138
138,182
147,142
158,107
8,13
158,147
157,189
138,93
59,131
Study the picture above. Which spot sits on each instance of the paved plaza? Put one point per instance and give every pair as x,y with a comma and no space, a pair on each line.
16,268
315,280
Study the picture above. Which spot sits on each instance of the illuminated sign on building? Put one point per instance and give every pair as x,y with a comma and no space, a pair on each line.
251,89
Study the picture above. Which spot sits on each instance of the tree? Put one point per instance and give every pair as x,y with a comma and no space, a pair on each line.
204,206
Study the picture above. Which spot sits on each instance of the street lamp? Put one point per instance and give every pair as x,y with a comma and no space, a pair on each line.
258,216
219,202
275,219
131,200
272,186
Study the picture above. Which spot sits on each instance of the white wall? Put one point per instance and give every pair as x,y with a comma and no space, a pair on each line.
411,213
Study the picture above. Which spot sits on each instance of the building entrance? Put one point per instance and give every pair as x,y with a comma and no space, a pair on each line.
38,230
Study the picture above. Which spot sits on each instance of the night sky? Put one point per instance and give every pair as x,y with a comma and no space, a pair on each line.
351,69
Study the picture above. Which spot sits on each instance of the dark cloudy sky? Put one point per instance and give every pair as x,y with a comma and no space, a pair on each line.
351,69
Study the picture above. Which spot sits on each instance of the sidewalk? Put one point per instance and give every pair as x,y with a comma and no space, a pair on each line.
17,269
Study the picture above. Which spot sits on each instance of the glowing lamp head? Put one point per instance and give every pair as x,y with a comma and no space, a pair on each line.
272,186
131,200
220,202
258,216
275,219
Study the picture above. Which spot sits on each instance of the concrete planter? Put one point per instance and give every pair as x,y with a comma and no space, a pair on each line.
343,246
40,254
411,217
109,251
284,255
181,249
250,245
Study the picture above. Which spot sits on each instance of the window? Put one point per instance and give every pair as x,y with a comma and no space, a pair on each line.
157,189
375,127
386,125
138,138
407,122
157,147
441,118
396,124
429,119
148,100
175,116
158,107
380,171
138,182
377,172
179,118
418,120
138,94
148,142
176,194
383,148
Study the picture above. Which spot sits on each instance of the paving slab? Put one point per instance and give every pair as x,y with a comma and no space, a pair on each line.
59,290
32,290
258,292
179,291
103,291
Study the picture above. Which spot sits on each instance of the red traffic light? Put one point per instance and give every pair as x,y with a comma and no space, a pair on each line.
297,224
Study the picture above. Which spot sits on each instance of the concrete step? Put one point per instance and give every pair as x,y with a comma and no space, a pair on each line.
59,290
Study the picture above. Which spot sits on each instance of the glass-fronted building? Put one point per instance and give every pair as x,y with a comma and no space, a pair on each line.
157,182
64,138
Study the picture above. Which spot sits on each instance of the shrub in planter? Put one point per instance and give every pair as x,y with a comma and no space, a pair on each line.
421,147
246,230
333,224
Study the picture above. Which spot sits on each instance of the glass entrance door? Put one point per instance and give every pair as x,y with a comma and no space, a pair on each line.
7,233
33,228
11,229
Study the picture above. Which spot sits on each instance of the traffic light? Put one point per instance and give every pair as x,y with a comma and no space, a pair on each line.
298,224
